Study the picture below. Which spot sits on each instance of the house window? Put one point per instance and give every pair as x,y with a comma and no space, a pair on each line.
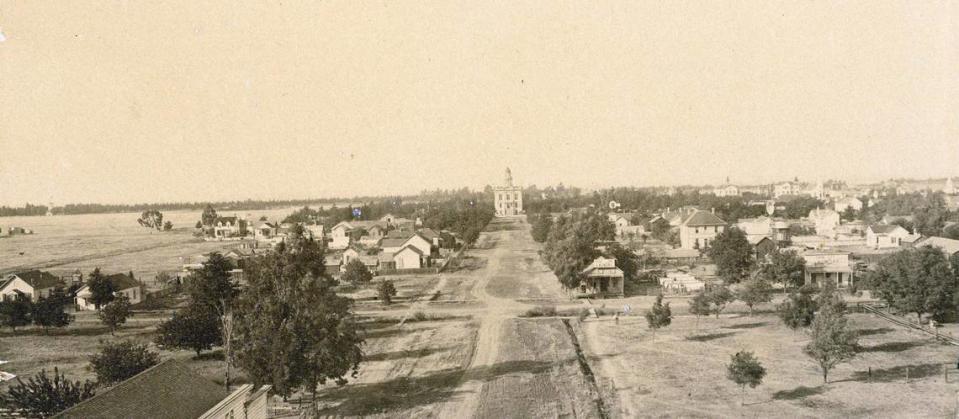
697,230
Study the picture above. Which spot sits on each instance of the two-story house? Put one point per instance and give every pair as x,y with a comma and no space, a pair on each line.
699,229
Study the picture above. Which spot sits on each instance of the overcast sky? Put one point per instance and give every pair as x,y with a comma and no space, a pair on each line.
132,101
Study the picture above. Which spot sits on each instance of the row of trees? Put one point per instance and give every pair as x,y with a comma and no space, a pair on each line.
287,327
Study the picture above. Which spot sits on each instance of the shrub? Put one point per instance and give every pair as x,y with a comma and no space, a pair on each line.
541,311
118,361
42,396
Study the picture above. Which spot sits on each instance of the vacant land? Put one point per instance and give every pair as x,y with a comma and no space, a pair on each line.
113,242
681,370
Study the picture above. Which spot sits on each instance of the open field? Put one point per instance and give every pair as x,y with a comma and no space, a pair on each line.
681,371
114,242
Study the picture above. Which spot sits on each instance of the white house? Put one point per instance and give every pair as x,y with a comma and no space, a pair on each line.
699,229
227,227
624,225
393,243
726,190
881,236
123,284
408,257
828,265
266,231
825,221
841,204
787,188
33,284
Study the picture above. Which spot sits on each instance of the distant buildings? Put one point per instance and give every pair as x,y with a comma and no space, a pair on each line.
508,199
841,204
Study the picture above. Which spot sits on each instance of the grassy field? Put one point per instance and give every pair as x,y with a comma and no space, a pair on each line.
680,371
114,242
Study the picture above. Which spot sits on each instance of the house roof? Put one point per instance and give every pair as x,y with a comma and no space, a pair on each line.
884,229
603,268
392,242
754,239
411,247
703,218
39,279
948,245
166,390
122,281
429,234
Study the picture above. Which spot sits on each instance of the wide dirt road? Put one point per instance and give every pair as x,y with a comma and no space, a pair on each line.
520,367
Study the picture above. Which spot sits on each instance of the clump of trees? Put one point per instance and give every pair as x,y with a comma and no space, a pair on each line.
732,254
917,280
754,291
153,219
121,360
786,268
571,244
303,333
192,328
356,273
115,313
44,396
47,312
16,312
101,289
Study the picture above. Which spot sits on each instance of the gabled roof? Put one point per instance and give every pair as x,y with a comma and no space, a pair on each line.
122,281
703,218
39,279
603,268
429,234
411,247
166,390
948,245
392,242
885,229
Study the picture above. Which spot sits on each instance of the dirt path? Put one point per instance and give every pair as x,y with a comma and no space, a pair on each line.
510,242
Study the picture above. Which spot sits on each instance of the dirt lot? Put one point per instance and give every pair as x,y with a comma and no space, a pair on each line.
681,371
113,242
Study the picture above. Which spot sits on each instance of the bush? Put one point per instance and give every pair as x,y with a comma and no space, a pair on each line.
540,311
115,313
118,361
42,396
386,291
419,316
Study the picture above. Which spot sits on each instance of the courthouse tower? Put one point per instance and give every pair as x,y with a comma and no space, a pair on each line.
508,199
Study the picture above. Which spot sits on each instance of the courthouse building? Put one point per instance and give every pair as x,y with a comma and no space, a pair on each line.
508,199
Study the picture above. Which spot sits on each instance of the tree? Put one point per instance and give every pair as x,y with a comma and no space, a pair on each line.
626,260
744,369
101,289
699,306
151,219
719,297
754,291
659,315
356,272
209,216
48,311
386,291
830,297
786,268
118,361
292,330
542,224
167,226
214,290
115,313
849,214
799,309
43,396
15,312
193,328
832,343
916,280
732,254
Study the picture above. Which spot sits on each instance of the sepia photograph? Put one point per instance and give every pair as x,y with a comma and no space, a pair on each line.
479,209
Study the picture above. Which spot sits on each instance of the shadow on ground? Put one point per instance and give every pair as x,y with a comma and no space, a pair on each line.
390,356
709,337
876,331
891,346
747,325
409,392
798,393
886,375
